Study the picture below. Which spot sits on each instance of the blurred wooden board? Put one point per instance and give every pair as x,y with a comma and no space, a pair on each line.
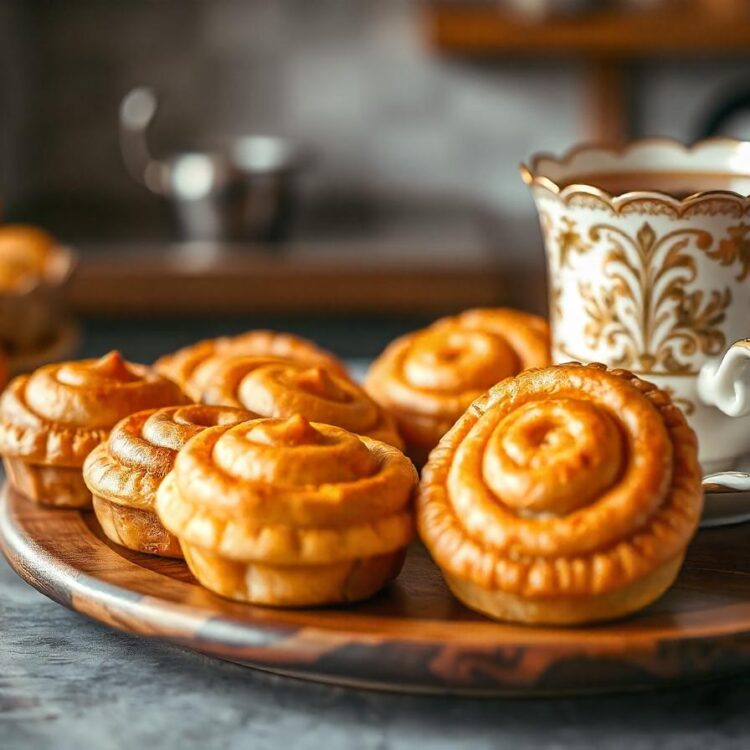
179,280
686,27
414,637
606,39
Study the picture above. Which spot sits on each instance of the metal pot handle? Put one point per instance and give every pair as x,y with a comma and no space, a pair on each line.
137,111
722,113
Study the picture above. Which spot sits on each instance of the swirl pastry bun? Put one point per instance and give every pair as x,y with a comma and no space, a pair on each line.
428,378
565,495
273,387
34,267
192,367
124,472
24,255
290,513
52,419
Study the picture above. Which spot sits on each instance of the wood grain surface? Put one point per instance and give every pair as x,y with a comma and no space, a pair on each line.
174,279
414,637
690,28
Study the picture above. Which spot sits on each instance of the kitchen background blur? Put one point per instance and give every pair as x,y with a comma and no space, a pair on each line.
404,123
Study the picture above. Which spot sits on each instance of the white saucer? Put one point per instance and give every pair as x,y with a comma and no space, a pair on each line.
725,508
727,495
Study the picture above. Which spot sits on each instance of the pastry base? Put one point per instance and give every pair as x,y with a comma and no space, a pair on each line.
288,586
135,528
55,486
571,610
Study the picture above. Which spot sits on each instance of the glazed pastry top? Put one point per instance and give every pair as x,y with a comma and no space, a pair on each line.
273,387
193,366
289,492
438,371
60,412
563,481
141,450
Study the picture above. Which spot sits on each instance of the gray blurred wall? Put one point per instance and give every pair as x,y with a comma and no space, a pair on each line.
352,78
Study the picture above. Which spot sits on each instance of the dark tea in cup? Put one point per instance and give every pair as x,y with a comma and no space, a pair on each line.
679,185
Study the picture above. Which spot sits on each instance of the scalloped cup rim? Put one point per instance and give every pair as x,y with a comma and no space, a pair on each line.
532,172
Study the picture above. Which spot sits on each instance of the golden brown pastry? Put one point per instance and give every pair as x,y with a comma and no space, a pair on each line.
24,254
274,387
565,495
33,270
428,378
290,513
124,472
52,419
193,366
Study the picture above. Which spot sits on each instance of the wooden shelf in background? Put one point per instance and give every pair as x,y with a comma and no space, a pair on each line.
605,40
678,28
174,283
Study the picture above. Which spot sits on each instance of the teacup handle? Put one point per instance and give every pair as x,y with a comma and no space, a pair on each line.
724,382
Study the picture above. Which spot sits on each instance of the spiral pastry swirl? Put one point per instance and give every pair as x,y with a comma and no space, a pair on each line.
124,472
273,387
564,495
428,378
57,415
289,512
193,366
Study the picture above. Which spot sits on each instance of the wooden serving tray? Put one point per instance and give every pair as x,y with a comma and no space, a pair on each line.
414,637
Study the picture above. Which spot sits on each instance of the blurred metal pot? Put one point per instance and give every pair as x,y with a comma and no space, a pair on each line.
242,193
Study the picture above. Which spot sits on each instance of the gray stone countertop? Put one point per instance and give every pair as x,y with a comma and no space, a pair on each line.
67,683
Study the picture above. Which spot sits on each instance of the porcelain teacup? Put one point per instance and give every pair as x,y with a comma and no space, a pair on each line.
648,258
